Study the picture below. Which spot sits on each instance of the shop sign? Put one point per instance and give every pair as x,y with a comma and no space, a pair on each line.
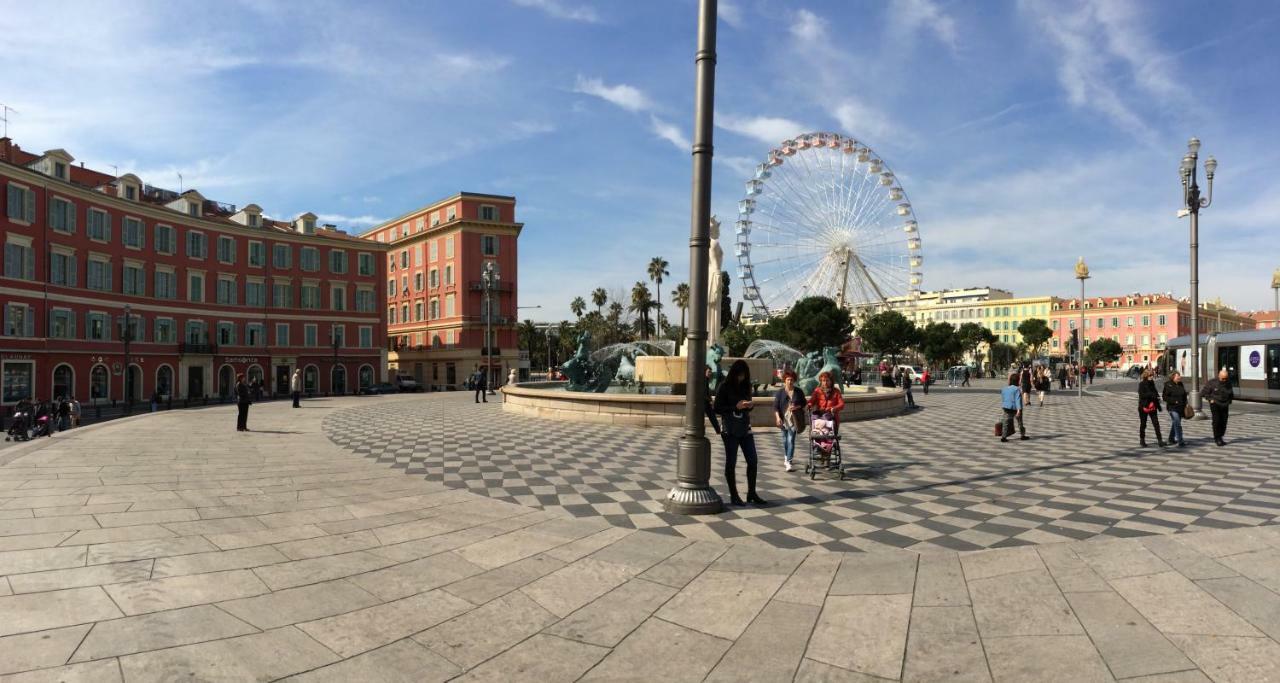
16,356
240,359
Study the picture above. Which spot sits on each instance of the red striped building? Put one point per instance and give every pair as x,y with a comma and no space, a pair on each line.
111,287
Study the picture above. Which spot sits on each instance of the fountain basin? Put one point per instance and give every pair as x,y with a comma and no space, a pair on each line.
549,400
671,369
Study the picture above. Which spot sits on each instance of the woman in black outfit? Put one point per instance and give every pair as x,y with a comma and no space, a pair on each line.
733,403
1175,401
1148,407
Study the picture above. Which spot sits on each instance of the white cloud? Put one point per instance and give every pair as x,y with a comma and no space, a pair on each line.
858,119
562,10
744,167
807,27
670,132
626,96
770,130
341,221
731,13
909,16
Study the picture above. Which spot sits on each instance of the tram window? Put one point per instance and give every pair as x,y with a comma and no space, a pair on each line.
1273,366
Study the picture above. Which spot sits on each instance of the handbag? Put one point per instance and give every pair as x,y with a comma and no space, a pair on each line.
999,429
1188,412
1149,408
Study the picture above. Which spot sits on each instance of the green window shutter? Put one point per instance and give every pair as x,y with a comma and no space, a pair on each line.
30,205
30,319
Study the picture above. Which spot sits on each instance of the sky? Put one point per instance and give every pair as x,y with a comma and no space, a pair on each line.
1026,133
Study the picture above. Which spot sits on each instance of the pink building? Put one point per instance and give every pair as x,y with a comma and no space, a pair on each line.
1264,320
1141,323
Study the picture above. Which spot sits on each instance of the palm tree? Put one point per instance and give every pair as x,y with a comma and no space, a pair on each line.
641,302
680,297
600,297
578,306
657,271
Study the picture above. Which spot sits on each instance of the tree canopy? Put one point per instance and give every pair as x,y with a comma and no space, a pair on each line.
1035,332
888,333
810,325
939,344
1104,350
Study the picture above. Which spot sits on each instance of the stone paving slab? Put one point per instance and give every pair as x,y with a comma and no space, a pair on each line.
307,562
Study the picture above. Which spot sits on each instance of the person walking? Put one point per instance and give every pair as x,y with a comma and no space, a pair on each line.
481,386
155,400
827,398
965,383
1011,402
1062,378
64,414
295,387
1148,407
75,412
243,397
1041,382
906,387
924,380
1175,401
886,375
734,403
1218,391
788,414
1024,381
857,375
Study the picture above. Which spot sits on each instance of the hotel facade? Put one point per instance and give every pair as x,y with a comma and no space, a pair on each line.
435,295
114,288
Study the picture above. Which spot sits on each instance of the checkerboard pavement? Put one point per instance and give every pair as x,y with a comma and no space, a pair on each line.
928,480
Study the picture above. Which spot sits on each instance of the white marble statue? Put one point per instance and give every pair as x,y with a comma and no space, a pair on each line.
715,264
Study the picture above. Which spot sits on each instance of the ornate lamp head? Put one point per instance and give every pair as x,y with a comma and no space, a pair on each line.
1082,271
1275,279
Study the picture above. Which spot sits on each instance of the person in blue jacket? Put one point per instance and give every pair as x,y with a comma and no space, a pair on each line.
1011,401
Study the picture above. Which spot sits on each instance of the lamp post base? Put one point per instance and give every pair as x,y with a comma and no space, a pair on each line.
692,494
1193,400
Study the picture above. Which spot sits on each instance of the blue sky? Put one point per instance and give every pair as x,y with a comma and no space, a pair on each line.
1025,133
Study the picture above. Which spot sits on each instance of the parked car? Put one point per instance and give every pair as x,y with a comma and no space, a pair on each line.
406,383
379,388
912,371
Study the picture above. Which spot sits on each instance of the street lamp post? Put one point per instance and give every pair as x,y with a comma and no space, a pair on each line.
1082,274
1191,205
126,335
333,341
1275,287
489,279
692,494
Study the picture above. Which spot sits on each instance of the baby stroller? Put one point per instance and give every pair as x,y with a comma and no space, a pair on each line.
19,426
824,445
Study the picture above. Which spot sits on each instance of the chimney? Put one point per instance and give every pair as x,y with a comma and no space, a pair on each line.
6,149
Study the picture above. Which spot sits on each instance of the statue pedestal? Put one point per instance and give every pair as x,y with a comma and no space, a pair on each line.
672,370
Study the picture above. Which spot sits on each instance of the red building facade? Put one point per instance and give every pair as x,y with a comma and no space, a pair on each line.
435,307
112,288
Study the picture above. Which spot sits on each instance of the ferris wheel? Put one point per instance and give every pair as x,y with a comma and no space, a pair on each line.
824,216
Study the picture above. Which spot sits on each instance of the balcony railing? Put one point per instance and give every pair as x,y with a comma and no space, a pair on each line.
477,286
490,351
197,349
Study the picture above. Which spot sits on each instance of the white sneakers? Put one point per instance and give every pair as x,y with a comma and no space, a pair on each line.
789,468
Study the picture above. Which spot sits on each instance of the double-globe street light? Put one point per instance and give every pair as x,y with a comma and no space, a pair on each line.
1275,287
489,280
1082,274
126,336
1191,205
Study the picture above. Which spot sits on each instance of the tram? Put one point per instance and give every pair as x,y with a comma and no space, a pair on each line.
1251,358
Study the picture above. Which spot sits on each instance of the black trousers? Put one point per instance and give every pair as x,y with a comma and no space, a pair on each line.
297,398
1155,424
480,394
731,445
1009,416
242,416
1219,414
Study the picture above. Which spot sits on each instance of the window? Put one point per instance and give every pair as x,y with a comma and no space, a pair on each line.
1115,322
391,315
365,263
1146,320
197,245
226,249
489,245
338,298
448,274
22,204
338,334
391,262
135,331
226,334
448,244
309,259
366,337
96,327
364,300
435,218
433,309
19,260
166,285
417,255
310,296
1160,320
62,215
404,259
452,213
130,192
193,209
1146,340
135,280
488,213
166,332
18,378
99,226
131,233
226,292
281,295
99,383
404,284
1054,324
282,334
19,321
257,254
195,287
337,262
197,332
165,241
98,275
417,311
417,282
1129,321
1128,339
253,335
255,294
309,335
1102,322
62,324
62,269
1086,323
281,256
391,288
404,313
1055,342
448,306
433,251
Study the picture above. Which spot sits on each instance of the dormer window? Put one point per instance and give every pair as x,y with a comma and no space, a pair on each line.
130,192
309,226
59,170
193,208
254,220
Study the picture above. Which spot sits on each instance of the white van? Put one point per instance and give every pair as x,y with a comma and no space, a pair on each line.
406,383
911,371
